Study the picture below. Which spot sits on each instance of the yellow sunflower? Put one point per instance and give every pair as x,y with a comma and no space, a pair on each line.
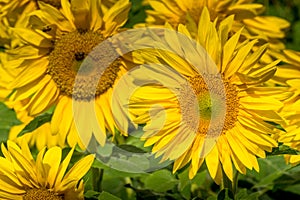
4,78
57,44
290,111
47,177
175,12
187,137
13,14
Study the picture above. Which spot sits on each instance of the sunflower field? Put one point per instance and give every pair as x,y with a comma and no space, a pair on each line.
149,99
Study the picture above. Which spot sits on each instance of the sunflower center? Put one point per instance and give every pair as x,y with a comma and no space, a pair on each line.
211,98
55,3
41,194
70,54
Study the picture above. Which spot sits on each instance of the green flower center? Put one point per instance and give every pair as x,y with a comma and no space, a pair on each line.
206,102
41,194
211,98
70,54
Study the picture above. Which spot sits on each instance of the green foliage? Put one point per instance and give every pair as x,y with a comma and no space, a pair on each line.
275,180
35,123
107,196
8,119
137,13
164,178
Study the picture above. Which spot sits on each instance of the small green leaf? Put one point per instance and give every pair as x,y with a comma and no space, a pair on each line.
8,119
225,194
144,194
283,149
107,196
131,148
91,194
35,123
160,181
137,13
293,189
244,195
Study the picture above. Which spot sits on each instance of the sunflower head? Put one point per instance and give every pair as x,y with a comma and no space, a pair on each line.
23,177
291,99
68,57
227,82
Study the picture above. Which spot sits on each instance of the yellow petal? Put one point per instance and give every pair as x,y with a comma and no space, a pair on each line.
33,37
238,149
35,70
78,170
239,58
230,47
43,99
212,162
63,167
51,162
26,166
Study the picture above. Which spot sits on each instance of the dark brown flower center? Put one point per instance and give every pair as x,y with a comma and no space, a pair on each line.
41,194
70,54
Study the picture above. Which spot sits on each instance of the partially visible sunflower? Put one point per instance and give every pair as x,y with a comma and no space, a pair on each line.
47,177
4,92
249,105
56,45
246,14
13,14
291,109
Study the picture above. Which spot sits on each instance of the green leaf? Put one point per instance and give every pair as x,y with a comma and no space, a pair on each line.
143,193
243,195
91,194
131,148
283,149
107,196
8,119
137,13
293,189
35,123
185,183
225,194
160,181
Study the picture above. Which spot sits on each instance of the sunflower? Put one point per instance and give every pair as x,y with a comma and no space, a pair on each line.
14,15
57,44
47,177
40,137
4,92
290,111
247,14
192,103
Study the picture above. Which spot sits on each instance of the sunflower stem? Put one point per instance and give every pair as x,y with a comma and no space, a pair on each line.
97,179
235,182
226,182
